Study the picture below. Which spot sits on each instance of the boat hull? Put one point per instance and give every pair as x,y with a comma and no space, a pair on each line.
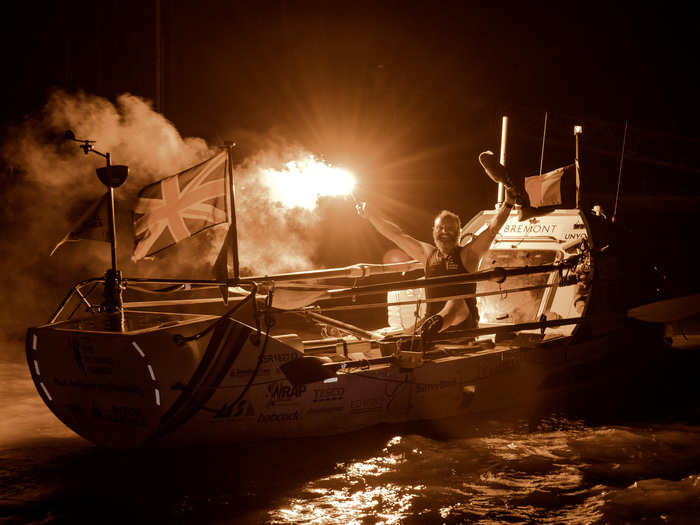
144,385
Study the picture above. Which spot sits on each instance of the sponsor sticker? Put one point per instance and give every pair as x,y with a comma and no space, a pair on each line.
325,409
84,384
282,357
328,394
529,228
422,388
281,417
359,406
87,359
121,414
246,372
281,393
242,408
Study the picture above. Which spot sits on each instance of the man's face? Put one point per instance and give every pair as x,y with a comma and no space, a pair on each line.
446,233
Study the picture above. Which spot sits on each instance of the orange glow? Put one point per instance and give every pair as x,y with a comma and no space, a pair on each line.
394,255
305,180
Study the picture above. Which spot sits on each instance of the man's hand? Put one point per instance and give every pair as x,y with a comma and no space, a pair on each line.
510,198
431,326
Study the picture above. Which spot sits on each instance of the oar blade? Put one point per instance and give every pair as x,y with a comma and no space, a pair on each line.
667,311
293,298
308,369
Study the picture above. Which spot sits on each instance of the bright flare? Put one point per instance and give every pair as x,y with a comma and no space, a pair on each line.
305,180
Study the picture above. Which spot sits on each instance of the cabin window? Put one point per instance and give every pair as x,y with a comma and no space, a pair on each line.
513,307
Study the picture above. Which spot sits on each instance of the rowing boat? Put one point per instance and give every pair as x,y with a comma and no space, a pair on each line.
176,364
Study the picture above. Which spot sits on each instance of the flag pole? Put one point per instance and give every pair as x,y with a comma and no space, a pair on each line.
112,177
504,140
232,199
578,132
112,220
113,287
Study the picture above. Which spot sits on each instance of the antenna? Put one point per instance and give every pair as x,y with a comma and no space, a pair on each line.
544,135
619,173
578,131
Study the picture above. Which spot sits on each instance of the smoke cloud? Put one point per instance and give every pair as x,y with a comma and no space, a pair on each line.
47,183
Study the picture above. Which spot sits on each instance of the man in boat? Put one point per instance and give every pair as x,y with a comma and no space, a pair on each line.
445,257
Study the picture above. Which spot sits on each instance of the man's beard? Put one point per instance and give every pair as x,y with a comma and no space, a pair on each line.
446,245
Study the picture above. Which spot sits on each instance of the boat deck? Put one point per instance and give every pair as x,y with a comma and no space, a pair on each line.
130,322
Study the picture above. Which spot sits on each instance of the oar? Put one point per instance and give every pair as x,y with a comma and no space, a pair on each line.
310,369
497,274
290,297
505,329
355,330
668,310
356,271
289,300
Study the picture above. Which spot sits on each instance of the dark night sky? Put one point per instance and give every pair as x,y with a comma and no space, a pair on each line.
341,77
407,95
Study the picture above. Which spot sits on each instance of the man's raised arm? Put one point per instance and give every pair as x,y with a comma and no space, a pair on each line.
475,250
413,247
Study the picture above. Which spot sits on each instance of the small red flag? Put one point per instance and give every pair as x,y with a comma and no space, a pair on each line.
93,225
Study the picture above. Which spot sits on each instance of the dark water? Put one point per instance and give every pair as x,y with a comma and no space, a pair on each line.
627,464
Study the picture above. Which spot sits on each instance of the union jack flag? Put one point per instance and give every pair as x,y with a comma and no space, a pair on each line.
180,206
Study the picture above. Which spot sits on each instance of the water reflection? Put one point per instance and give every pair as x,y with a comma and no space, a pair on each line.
356,493
522,477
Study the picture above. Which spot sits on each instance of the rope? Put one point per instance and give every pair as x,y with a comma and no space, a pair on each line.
181,340
269,323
